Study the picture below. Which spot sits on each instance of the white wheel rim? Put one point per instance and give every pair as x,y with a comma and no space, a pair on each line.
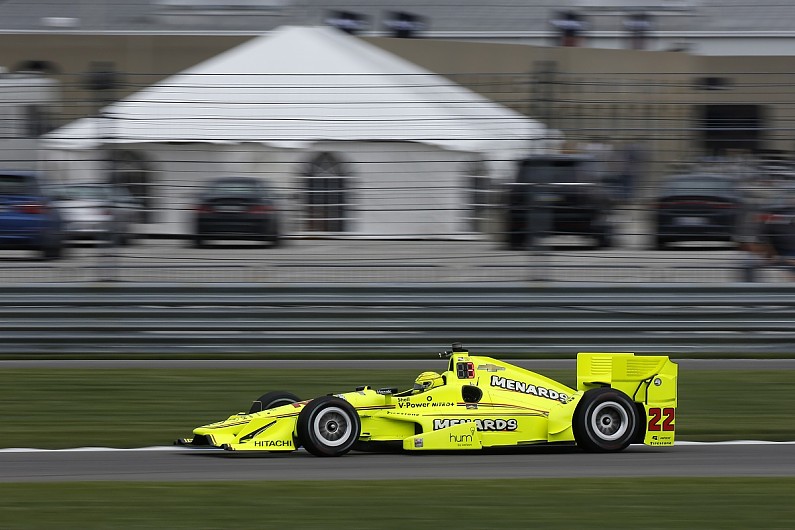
332,426
609,421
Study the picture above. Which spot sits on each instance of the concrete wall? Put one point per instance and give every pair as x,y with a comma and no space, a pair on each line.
144,59
612,96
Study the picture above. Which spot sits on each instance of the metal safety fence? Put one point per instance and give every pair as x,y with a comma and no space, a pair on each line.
252,320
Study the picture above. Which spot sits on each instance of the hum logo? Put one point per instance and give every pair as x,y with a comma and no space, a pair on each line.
464,438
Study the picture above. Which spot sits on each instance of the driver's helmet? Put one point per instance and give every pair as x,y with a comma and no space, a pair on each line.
428,380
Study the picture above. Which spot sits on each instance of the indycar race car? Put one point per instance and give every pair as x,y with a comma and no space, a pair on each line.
478,402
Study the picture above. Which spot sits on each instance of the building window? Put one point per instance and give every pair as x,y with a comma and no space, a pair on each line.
479,193
132,172
326,189
727,128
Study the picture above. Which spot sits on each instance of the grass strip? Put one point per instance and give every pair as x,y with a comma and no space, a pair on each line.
59,408
664,503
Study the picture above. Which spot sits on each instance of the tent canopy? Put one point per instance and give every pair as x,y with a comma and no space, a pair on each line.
299,85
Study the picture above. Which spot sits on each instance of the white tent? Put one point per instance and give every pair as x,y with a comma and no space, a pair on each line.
307,95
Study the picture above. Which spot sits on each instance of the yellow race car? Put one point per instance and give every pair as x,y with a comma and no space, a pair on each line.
478,402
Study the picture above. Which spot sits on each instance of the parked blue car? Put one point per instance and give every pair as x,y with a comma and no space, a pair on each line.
28,220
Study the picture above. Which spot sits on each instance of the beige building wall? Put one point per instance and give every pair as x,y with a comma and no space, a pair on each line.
591,95
144,59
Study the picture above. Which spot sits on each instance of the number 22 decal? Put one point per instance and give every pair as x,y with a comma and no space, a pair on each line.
666,415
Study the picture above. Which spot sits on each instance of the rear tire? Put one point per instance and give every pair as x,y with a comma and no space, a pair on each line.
272,400
328,426
640,427
605,420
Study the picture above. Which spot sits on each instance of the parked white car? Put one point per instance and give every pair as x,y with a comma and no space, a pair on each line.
96,211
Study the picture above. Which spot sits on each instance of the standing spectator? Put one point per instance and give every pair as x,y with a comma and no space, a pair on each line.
777,237
630,167
638,25
571,27
347,21
404,25
602,154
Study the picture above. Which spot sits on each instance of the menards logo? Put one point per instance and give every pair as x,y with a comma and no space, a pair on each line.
482,425
527,388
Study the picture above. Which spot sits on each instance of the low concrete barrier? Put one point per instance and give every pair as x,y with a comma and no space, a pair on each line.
541,320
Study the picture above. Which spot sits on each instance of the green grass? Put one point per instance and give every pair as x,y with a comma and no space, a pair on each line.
523,503
56,408
52,408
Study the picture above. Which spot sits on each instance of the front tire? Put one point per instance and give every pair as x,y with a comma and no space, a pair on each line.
605,420
272,400
328,426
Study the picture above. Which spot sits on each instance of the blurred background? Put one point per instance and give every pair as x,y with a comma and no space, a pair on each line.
615,140
528,161
201,199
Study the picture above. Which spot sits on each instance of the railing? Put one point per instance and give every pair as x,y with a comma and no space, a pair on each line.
368,321
343,261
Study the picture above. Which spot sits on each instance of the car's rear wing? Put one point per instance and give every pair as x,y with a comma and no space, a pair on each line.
649,380
643,378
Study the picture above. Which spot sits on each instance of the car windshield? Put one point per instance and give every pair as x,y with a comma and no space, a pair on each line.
14,185
78,193
700,186
558,172
235,187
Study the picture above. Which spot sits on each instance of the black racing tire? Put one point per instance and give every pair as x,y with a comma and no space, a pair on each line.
640,427
272,400
328,426
605,420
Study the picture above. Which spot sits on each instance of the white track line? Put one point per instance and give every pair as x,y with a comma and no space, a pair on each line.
176,448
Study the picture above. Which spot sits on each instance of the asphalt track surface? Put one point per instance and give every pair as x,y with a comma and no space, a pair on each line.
175,464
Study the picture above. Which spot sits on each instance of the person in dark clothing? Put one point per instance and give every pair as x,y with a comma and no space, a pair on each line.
777,238
571,27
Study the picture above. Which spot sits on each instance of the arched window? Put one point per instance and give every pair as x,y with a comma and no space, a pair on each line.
479,189
325,190
131,170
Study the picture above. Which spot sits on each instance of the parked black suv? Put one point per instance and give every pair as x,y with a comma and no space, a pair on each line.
558,195
698,207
